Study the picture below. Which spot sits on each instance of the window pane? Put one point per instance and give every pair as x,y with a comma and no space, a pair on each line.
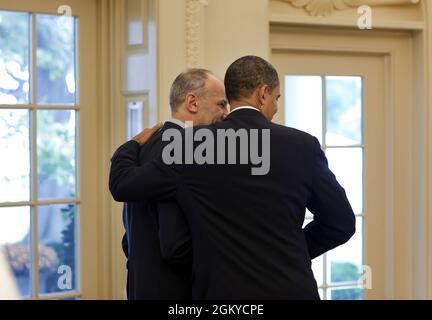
55,60
136,67
346,294
344,263
57,270
14,57
135,118
347,165
318,271
15,155
15,252
303,104
344,110
134,22
56,154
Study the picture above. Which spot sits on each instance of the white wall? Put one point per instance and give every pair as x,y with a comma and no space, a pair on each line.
234,29
226,30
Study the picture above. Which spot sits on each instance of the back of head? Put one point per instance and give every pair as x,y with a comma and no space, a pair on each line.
246,74
191,80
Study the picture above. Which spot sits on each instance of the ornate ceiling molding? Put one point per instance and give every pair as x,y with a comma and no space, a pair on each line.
326,7
194,31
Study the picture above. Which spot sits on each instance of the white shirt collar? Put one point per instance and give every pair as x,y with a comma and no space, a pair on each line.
177,122
245,107
182,124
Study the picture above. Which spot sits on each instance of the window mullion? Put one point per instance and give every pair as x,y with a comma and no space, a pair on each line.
35,252
33,139
324,112
58,201
325,284
324,146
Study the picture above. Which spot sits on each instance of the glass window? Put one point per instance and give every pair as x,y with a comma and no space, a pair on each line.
134,23
135,67
55,60
56,154
330,108
14,57
344,111
15,155
303,104
344,263
347,165
38,162
346,294
56,226
15,246
135,118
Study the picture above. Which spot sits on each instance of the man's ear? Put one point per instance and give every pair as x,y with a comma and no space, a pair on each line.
262,93
191,103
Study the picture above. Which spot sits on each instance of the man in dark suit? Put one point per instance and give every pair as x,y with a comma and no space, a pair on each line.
196,95
247,236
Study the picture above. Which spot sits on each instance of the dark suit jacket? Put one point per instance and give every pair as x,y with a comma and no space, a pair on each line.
150,276
248,241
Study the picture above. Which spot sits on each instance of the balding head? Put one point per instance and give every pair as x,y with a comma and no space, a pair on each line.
189,81
198,95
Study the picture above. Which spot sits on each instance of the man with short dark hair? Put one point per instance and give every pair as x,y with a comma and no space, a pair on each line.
196,95
247,236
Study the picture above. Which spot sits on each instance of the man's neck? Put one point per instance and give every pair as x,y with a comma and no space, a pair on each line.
177,116
243,103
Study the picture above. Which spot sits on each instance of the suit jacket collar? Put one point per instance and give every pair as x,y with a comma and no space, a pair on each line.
177,122
171,125
246,113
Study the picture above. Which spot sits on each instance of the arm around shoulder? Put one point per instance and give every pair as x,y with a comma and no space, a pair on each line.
128,181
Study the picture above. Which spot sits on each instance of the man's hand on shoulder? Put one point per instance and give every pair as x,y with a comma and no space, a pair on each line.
146,134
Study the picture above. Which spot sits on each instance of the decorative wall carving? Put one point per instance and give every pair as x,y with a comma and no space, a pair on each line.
326,7
194,31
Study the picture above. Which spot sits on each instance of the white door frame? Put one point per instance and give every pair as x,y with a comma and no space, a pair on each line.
405,259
